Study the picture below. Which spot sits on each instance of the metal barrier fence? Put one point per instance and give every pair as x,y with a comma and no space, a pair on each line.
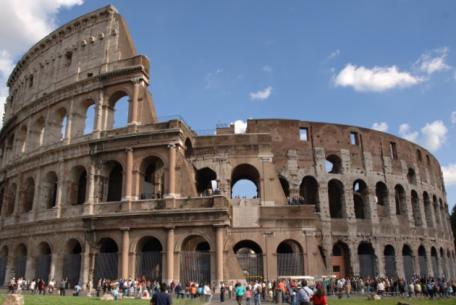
367,265
195,266
251,265
20,263
106,266
408,267
423,265
71,268
290,264
2,269
390,266
149,265
43,267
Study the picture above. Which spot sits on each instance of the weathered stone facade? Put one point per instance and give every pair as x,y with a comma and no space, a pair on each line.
140,201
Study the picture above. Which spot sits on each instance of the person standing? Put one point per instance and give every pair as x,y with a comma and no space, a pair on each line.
304,294
62,287
222,292
319,298
161,297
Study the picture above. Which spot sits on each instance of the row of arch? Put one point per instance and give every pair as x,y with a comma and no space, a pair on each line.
67,122
442,262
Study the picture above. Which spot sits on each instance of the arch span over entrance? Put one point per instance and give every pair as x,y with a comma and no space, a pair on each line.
341,259
250,258
290,259
72,262
149,259
195,260
106,261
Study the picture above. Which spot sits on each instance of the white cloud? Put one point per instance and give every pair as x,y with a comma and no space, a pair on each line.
406,132
212,79
449,174
376,79
453,117
261,94
434,135
23,23
380,126
240,126
266,68
334,54
433,61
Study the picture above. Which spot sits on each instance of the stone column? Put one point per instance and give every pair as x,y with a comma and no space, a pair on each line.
125,251
37,195
129,175
172,171
56,270
170,256
84,276
133,117
60,188
98,124
91,198
219,234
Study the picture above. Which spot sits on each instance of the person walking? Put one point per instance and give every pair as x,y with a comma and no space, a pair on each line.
222,292
239,292
319,298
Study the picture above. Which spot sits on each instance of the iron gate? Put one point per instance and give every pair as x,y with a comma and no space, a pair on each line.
20,263
106,266
43,267
390,266
251,265
2,269
366,265
290,264
149,265
195,267
423,265
435,265
408,267
72,268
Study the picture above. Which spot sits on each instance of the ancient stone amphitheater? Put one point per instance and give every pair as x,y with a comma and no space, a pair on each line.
85,195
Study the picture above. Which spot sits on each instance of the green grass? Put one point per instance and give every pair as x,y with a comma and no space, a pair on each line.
69,300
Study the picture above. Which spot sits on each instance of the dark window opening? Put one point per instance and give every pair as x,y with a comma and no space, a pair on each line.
393,151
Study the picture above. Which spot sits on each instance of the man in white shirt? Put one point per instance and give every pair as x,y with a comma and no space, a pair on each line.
304,294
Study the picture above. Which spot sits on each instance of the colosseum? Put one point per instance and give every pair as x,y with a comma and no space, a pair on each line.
89,192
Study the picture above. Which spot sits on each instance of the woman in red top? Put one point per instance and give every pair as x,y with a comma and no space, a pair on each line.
319,297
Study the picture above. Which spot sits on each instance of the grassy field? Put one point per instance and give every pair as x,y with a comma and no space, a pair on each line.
69,300
392,301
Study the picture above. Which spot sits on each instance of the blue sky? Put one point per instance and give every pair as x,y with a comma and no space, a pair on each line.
357,62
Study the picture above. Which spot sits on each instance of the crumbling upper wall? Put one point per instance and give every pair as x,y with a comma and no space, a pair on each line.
81,48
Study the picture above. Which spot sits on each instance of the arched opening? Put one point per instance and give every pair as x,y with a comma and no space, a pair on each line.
3,263
10,199
443,263
367,260
43,262
152,178
451,270
381,195
416,209
250,258
361,199
400,198
77,187
114,182
390,261
422,260
50,190
149,259
89,121
72,262
336,199
340,258
245,182
106,261
435,262
308,191
20,261
37,133
28,195
407,259
411,176
21,140
285,186
290,259
333,164
428,210
195,260
118,112
188,148
62,123
206,181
